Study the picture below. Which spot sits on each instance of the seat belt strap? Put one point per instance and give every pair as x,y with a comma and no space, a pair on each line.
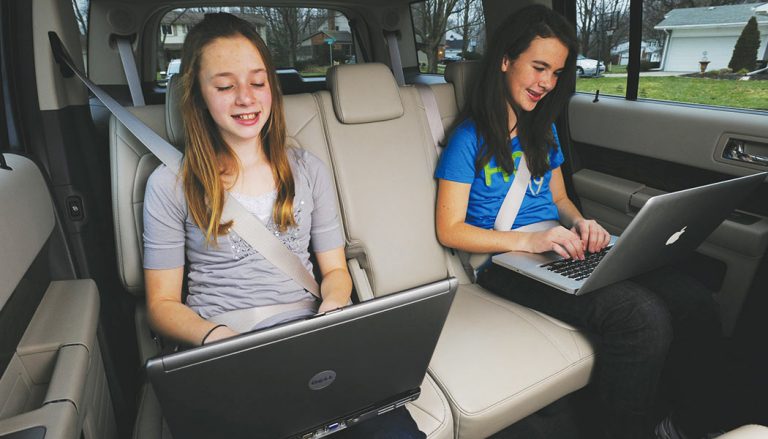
433,115
473,262
245,224
131,72
248,227
394,56
514,198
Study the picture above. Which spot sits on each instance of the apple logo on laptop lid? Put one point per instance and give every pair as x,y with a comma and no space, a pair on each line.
675,236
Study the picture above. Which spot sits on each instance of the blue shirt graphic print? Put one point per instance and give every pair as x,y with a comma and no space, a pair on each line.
490,184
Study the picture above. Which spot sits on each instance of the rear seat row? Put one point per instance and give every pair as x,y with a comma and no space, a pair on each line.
496,362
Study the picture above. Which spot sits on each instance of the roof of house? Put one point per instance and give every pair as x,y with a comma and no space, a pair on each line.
712,15
341,36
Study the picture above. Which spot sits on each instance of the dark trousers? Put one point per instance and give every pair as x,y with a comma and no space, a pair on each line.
639,325
397,424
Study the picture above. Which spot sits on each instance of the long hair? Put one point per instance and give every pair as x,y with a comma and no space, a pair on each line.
487,105
207,156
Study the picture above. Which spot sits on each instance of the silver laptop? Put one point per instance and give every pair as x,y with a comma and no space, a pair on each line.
666,228
308,378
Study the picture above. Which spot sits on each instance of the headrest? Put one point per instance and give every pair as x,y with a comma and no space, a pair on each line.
463,75
174,124
364,93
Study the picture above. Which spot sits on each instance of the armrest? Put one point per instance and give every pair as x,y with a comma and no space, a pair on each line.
55,421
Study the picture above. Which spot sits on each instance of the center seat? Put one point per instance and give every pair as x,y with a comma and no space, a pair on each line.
496,361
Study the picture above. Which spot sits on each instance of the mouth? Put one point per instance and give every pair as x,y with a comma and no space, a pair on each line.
534,96
246,117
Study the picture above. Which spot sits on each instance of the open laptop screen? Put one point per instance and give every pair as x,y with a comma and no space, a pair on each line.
304,375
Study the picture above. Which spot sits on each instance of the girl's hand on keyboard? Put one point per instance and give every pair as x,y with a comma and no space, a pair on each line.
593,236
562,241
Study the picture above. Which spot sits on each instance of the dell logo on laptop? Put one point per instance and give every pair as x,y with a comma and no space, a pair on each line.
321,380
675,236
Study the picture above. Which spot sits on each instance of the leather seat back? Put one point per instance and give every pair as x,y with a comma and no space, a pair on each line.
382,156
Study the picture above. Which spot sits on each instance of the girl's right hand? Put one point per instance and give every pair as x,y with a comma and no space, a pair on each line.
558,239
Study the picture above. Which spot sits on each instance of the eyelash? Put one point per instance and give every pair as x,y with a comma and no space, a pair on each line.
229,87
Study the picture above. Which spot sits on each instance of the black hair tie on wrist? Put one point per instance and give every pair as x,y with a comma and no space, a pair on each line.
210,331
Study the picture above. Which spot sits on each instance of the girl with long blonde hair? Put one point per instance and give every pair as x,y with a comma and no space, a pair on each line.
236,142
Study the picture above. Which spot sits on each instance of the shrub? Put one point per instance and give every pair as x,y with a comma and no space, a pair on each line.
745,51
303,64
471,56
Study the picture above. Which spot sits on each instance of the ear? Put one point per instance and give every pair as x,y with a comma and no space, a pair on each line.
505,63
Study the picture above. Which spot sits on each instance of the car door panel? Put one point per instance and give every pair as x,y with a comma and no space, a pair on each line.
55,378
51,367
678,133
628,151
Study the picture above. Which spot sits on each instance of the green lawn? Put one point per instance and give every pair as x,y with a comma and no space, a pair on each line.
722,92
617,69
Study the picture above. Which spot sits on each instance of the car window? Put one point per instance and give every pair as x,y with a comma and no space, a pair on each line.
447,31
710,52
602,28
82,7
309,40
705,52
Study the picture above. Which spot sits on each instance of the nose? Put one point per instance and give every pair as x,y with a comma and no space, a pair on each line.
244,96
547,81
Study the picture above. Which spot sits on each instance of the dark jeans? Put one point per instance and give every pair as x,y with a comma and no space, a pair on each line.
397,424
637,323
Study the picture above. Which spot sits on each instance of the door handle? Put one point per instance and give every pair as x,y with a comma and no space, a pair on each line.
736,150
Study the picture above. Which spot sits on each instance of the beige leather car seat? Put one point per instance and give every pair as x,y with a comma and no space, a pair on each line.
751,431
496,361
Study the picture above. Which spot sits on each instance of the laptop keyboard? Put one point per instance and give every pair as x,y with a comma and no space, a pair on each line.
577,269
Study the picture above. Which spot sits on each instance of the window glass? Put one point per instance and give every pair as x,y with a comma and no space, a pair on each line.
602,27
705,52
310,40
447,31
81,8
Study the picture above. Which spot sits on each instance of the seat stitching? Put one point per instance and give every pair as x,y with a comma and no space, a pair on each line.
304,125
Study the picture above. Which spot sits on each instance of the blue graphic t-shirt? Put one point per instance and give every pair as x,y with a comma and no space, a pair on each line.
491,184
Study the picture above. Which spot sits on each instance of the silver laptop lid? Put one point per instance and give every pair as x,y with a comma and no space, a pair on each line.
668,227
295,377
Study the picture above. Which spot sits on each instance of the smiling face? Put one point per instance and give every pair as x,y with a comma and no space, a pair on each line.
235,87
534,72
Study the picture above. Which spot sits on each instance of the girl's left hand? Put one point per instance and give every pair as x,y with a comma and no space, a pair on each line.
593,236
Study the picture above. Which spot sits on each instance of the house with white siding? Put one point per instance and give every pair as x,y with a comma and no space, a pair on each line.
711,32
